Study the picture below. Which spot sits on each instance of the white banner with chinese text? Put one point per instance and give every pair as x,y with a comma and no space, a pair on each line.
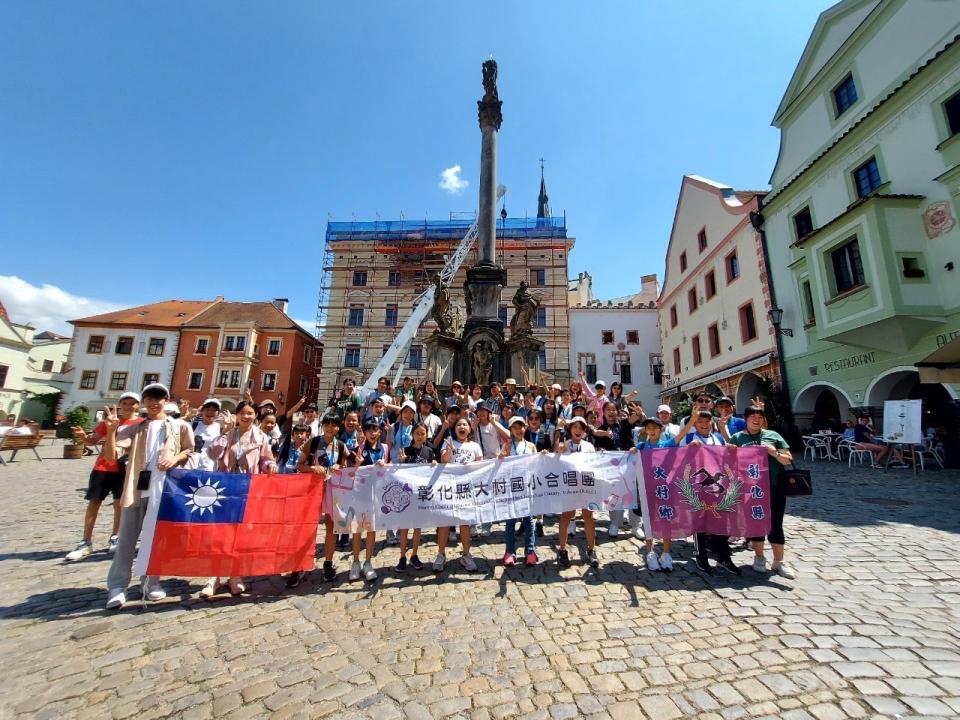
394,497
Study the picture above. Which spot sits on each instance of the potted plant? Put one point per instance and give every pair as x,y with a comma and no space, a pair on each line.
77,417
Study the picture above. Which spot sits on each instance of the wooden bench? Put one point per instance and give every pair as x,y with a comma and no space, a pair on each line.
17,443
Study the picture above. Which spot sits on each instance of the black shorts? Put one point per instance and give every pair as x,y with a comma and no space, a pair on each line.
102,484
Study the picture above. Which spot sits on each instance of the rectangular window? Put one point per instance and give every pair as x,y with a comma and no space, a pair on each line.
702,240
269,381
234,378
626,376
695,346
352,356
911,266
304,386
88,380
590,370
951,109
391,317
710,284
538,277
359,278
847,267
683,262
356,316
393,278
502,314
676,361
95,344
733,267
673,316
273,346
224,379
228,343
692,300
844,95
48,366
196,381
415,361
803,223
124,345
606,337
633,337
3,375
118,381
713,338
306,354
201,348
748,323
810,316
150,378
867,178
241,342
540,317
542,357
156,347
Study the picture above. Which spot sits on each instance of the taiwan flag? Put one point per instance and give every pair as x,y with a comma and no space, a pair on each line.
231,525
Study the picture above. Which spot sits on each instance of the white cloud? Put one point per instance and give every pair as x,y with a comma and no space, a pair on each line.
451,182
48,307
308,325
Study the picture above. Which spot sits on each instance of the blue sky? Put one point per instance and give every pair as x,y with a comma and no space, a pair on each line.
195,149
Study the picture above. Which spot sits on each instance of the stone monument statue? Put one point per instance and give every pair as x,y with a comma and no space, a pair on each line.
525,306
482,362
444,313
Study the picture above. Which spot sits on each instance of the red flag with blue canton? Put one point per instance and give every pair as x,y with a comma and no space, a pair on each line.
232,524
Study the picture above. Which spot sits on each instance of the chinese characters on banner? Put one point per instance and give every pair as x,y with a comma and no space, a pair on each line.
419,496
721,490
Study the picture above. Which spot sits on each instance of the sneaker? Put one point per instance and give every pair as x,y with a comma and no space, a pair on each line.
355,570
112,544
666,562
592,558
783,570
485,530
563,558
151,590
468,563
115,599
343,541
730,566
401,566
509,560
653,562
532,559
759,564
369,574
638,532
415,563
392,537
703,565
329,574
210,589
539,528
293,579
80,551
439,562
237,587
613,530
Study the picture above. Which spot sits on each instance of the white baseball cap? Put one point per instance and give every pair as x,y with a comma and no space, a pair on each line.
517,419
130,396
664,408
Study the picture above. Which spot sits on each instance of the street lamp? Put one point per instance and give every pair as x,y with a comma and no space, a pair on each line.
776,318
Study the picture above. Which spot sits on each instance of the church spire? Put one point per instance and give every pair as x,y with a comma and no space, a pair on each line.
543,202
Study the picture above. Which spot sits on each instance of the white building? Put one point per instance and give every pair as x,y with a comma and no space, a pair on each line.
125,350
714,309
618,340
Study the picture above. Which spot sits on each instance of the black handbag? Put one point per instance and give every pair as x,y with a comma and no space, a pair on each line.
795,481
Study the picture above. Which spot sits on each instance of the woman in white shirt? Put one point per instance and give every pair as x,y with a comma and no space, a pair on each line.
577,427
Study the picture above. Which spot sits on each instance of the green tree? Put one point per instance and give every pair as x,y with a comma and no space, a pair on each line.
78,416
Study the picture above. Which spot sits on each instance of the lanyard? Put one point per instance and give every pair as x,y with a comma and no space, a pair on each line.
375,456
523,444
574,447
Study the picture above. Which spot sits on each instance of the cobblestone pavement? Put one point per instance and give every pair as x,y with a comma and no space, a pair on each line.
869,629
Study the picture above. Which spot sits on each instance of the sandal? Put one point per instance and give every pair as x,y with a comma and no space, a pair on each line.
210,589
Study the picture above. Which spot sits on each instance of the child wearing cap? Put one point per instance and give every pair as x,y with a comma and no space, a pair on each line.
106,478
656,439
577,428
519,445
206,429
460,449
417,452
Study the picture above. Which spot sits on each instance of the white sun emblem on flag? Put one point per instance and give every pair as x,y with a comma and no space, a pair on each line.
205,497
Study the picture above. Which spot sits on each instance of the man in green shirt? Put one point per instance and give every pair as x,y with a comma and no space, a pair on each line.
780,455
346,400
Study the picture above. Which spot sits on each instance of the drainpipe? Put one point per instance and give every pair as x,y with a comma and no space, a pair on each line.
757,220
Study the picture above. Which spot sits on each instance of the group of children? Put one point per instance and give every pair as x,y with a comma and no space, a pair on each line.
376,431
